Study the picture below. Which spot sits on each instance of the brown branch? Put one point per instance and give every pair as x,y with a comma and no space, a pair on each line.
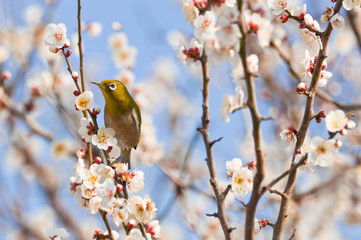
325,36
256,122
208,146
34,126
355,25
319,93
80,46
106,222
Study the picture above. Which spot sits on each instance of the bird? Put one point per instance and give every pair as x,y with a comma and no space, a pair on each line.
122,114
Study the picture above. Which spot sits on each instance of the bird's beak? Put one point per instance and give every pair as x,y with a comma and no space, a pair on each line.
100,84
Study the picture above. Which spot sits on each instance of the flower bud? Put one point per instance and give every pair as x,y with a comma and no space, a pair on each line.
5,75
131,224
343,132
283,18
322,114
338,143
53,49
75,75
81,153
302,25
97,160
302,87
117,26
76,93
67,44
68,53
119,188
324,18
350,124
96,111
298,151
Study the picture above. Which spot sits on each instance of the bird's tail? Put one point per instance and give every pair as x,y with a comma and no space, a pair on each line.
125,157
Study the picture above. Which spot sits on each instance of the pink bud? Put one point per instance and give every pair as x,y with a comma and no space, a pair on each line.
67,44
131,224
96,111
350,124
302,25
53,49
322,114
68,53
119,188
81,153
284,18
318,119
298,151
5,75
302,87
97,160
75,75
76,93
343,132
110,148
338,143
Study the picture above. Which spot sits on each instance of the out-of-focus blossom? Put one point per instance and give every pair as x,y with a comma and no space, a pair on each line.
125,57
126,77
242,182
120,213
153,228
94,29
104,138
288,136
327,14
278,6
261,26
238,71
61,149
256,226
335,120
84,101
33,14
116,26
204,26
106,192
349,4
57,233
56,35
190,12
4,53
118,41
337,22
233,166
231,103
135,234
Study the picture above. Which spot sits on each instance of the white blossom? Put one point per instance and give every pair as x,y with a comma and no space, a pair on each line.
337,22
56,35
104,138
57,233
242,182
321,151
106,192
142,209
191,53
288,136
137,182
84,101
278,6
153,228
204,26
349,4
86,129
233,166
335,120
135,234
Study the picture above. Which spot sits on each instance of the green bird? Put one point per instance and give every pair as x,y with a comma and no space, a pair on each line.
122,114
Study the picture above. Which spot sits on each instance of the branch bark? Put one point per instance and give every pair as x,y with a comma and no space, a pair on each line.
204,130
308,115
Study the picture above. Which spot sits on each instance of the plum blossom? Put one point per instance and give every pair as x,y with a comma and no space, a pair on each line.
120,213
322,151
220,5
242,182
84,101
94,29
299,11
90,176
125,57
106,192
190,12
349,4
327,14
104,138
86,129
231,103
238,71
191,53
135,234
289,136
335,120
337,22
278,6
142,209
204,26
262,27
312,41
137,182
233,166
56,36
57,233
118,41
153,228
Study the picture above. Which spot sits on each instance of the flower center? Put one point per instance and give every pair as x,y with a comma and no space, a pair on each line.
102,139
238,180
93,178
58,36
321,149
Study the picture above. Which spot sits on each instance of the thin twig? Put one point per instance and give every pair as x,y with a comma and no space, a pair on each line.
105,219
80,46
208,146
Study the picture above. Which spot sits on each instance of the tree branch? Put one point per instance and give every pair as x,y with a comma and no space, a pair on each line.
325,36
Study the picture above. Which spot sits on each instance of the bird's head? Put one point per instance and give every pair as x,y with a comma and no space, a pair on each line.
117,97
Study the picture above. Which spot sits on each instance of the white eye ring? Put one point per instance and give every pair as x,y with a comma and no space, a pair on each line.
112,86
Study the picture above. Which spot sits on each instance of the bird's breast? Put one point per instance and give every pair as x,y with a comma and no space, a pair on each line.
126,127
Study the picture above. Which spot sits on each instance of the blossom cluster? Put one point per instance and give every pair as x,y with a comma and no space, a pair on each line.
242,177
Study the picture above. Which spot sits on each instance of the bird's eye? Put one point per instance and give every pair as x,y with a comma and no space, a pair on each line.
112,86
